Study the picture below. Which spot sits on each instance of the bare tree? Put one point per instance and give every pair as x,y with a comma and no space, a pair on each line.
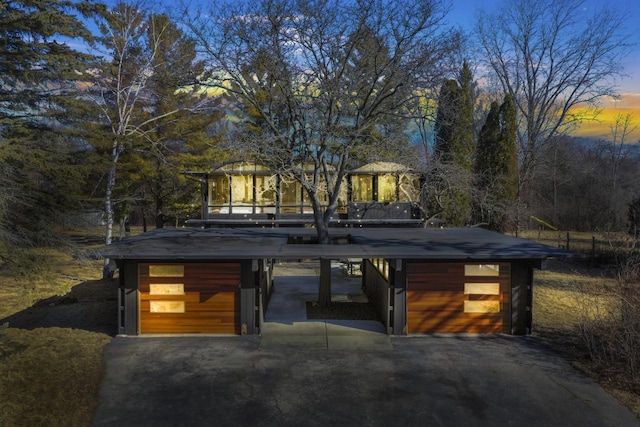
316,80
623,126
551,56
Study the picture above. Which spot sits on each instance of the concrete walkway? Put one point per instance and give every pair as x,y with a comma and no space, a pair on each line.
287,327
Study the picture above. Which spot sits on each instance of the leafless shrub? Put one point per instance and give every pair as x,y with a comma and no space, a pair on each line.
610,321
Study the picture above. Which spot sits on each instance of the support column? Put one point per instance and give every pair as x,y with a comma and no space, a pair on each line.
399,295
324,292
129,310
248,297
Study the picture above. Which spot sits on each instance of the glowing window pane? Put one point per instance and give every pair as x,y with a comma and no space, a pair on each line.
482,306
166,289
482,270
387,188
167,270
242,189
482,288
219,190
166,306
362,188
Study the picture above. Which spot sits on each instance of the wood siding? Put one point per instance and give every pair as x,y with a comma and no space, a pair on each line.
436,299
211,296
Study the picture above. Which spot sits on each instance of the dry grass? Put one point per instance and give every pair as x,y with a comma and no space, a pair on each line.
558,309
49,376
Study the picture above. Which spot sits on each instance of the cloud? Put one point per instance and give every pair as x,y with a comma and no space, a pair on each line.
629,103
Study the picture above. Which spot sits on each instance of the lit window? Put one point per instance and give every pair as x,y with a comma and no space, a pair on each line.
166,270
482,270
482,288
166,289
166,306
482,306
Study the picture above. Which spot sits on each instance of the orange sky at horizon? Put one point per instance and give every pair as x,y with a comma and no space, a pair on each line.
629,103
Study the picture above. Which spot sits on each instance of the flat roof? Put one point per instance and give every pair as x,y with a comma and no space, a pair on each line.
273,243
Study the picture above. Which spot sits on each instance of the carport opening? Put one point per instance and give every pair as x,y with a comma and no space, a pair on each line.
297,287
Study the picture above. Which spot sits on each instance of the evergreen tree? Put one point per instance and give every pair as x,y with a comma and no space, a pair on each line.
454,143
496,167
40,176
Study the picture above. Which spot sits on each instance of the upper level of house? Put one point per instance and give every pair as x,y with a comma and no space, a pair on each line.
378,193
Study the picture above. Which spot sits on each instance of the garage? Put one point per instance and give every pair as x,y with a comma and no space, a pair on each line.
454,297
189,298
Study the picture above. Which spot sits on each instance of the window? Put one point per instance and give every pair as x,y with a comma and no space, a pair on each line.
166,306
166,270
387,188
482,306
166,289
362,188
482,288
492,270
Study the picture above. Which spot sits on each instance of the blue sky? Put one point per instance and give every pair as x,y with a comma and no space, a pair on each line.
464,14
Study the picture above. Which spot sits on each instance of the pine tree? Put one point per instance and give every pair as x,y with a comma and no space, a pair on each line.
39,172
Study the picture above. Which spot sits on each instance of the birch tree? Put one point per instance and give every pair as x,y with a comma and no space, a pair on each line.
132,40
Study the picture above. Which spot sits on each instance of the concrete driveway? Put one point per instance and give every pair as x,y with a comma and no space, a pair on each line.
339,373
420,381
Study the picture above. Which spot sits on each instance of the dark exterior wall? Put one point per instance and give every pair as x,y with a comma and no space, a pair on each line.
377,289
128,311
521,297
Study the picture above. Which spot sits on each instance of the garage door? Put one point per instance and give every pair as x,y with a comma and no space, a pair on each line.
458,297
190,298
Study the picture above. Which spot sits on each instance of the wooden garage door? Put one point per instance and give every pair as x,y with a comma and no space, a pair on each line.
458,297
190,298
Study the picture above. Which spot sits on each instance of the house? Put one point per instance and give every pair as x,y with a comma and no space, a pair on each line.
419,280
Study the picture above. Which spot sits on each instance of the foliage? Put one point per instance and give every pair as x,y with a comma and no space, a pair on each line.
455,140
496,167
320,83
41,160
144,93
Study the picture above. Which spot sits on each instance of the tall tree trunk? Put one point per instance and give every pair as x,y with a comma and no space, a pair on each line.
159,213
107,270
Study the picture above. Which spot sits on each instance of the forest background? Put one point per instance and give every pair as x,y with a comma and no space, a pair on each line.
103,107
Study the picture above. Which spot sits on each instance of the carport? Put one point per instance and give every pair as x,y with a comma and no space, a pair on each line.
418,280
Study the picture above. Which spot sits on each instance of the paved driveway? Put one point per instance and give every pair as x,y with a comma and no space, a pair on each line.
417,381
344,373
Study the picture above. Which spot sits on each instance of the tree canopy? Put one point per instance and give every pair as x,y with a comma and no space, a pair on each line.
319,79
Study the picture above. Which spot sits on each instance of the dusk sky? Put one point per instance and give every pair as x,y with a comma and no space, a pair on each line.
464,14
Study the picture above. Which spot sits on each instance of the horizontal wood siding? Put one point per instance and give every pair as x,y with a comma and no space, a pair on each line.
435,300
212,300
